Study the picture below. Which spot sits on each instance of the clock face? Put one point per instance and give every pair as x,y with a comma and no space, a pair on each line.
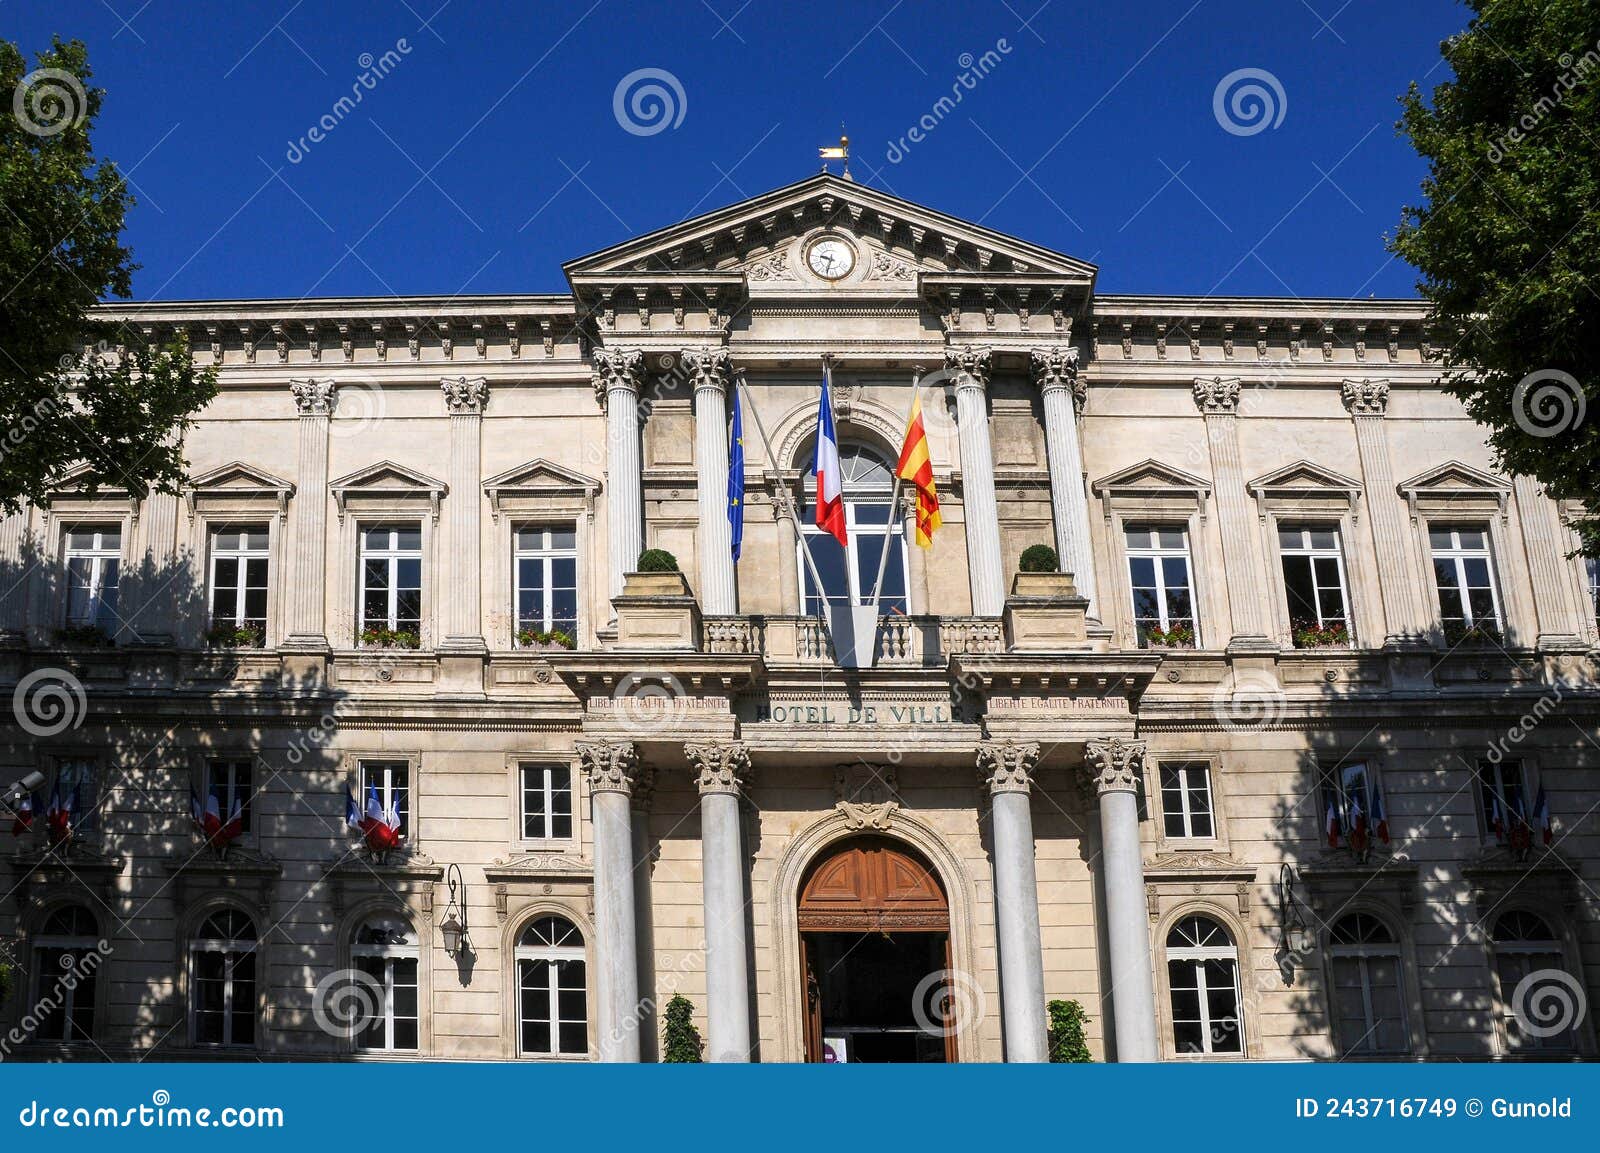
830,258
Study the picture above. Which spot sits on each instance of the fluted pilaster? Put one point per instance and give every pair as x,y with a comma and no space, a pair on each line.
307,590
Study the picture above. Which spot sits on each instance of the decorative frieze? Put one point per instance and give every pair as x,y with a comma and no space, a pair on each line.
465,395
610,766
1114,765
1007,766
720,766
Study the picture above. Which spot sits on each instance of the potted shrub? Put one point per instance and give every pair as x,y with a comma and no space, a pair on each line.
1039,558
383,637
1068,1045
227,635
657,560
538,639
680,1040
1311,635
87,636
657,575
1039,575
1176,636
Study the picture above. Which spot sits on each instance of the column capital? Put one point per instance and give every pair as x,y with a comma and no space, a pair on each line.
1056,367
314,397
1217,395
611,766
706,367
969,365
465,395
721,766
1007,766
617,368
1365,397
1114,764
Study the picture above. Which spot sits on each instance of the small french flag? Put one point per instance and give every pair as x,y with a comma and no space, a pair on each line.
1333,825
829,472
58,819
1380,817
1541,811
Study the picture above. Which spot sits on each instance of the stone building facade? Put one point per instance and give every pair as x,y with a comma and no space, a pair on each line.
1295,598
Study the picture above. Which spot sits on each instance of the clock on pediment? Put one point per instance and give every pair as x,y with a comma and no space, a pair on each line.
831,256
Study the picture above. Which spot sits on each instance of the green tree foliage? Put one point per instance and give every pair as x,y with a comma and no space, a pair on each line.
1067,1043
680,1039
74,387
1508,240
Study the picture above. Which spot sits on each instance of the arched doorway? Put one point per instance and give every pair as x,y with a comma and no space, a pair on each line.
875,955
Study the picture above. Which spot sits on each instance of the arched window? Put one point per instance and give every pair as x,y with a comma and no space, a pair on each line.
385,949
848,573
552,990
1368,1001
66,956
1203,977
1528,959
222,980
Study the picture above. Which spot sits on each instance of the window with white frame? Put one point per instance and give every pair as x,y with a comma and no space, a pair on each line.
385,949
849,572
546,802
1159,578
552,990
1349,795
66,959
391,780
238,586
1528,957
1591,566
1314,583
222,980
546,570
93,555
75,788
1463,572
1503,796
1203,981
1186,808
391,578
1368,999
229,781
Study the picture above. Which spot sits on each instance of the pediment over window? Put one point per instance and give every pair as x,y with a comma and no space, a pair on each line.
237,483
1454,485
1152,478
390,484
1305,485
540,486
72,487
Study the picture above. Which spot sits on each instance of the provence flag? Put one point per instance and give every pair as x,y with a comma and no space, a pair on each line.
736,478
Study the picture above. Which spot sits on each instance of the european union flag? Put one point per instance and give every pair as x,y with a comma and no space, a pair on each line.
736,478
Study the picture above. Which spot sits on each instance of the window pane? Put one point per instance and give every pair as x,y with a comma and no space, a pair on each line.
1297,582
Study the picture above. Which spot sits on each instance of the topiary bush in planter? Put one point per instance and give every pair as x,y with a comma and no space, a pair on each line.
681,1043
1039,558
1068,1045
657,560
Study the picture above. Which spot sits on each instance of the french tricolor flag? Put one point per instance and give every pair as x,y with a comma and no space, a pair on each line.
23,821
1333,825
58,818
381,830
1380,817
830,476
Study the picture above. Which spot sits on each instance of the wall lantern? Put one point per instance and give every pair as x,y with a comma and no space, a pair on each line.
1297,940
454,926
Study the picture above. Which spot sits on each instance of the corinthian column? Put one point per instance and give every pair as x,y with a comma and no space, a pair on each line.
1006,768
1218,400
708,369
1114,767
723,769
1367,401
612,768
970,369
618,373
307,589
465,398
1055,373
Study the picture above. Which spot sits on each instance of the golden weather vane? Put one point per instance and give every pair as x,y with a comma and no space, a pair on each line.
840,152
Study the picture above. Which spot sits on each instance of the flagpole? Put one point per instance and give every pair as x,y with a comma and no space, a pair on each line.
786,498
894,500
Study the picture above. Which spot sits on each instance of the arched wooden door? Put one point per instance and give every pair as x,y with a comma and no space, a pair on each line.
876,886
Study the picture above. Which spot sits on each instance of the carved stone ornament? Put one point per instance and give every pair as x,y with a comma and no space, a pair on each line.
1055,368
611,766
617,368
722,766
465,395
1114,765
1217,394
886,267
314,397
774,267
868,796
969,365
1366,397
1007,766
707,367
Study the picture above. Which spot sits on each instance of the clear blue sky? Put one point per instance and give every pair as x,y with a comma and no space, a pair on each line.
490,153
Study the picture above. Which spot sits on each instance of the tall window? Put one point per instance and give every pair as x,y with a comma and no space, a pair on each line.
229,781
392,781
547,581
239,578
546,802
1527,956
222,980
1502,795
385,950
391,578
1158,573
75,785
552,994
94,557
1463,570
66,958
848,573
1186,800
1368,1005
1313,578
1203,973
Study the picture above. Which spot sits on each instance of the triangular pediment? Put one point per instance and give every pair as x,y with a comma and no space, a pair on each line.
84,475
239,477
1303,476
896,239
387,476
1453,477
1154,477
539,476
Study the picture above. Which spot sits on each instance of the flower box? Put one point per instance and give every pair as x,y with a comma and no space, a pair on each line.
537,639
1176,637
227,635
1309,635
387,638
